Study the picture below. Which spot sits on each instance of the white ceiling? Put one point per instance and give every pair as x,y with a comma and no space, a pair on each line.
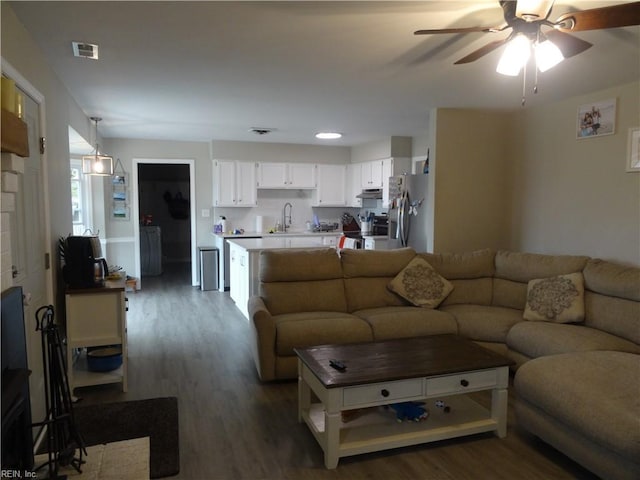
212,70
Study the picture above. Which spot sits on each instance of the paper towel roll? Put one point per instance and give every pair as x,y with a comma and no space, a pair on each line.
259,224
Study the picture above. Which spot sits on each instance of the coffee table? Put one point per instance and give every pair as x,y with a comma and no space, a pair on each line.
424,369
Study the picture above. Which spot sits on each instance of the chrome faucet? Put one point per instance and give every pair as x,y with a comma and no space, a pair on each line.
285,216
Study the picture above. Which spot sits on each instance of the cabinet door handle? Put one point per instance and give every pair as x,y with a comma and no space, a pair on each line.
384,392
464,383
126,304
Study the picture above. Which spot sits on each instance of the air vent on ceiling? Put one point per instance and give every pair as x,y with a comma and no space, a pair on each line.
85,50
261,130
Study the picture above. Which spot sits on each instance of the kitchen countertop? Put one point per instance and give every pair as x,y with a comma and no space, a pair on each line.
290,233
273,241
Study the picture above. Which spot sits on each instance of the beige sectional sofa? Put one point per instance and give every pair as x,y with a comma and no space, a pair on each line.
578,382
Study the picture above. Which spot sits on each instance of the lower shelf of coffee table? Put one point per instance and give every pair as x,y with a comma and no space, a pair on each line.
377,427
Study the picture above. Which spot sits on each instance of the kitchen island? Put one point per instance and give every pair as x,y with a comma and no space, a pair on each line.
328,238
244,262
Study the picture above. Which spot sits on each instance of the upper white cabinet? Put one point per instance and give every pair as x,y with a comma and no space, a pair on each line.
332,186
372,174
234,183
354,185
286,175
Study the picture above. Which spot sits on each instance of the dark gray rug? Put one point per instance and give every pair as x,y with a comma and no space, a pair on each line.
156,418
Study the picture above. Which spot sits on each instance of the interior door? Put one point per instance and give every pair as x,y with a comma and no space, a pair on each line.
29,246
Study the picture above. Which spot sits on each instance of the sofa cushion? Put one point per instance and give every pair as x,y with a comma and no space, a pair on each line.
367,274
580,391
401,322
291,280
522,267
375,263
484,323
515,269
420,284
284,265
476,264
299,330
557,299
310,296
615,280
538,339
612,298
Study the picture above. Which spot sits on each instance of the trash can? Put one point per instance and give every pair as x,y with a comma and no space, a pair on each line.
208,268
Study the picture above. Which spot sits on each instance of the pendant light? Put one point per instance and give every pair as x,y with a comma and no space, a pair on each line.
97,164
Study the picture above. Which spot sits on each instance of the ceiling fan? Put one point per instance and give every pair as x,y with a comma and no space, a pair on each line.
526,19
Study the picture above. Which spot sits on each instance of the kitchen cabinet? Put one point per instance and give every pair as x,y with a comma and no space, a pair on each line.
286,175
95,317
234,183
354,185
239,277
371,174
331,240
376,243
332,183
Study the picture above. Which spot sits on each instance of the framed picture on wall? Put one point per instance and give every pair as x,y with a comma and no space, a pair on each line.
633,150
119,211
596,119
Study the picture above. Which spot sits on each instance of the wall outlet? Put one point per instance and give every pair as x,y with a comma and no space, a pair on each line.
205,213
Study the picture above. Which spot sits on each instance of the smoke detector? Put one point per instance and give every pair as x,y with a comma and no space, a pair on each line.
261,130
85,50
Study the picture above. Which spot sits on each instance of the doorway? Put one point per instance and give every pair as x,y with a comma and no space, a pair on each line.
164,203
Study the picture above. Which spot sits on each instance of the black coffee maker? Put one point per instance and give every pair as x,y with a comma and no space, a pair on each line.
84,266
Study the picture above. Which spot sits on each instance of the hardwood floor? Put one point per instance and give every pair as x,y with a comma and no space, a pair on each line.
194,345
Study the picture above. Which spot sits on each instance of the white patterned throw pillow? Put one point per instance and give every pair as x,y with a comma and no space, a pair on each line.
556,299
420,284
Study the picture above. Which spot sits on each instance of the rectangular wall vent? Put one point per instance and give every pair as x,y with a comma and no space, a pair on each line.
85,50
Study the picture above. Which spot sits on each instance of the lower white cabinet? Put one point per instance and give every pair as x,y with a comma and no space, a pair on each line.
239,277
376,243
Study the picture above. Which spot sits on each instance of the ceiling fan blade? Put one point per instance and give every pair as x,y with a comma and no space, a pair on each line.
568,44
482,51
623,15
460,30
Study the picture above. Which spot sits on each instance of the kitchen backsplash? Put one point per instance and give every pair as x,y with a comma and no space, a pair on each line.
270,205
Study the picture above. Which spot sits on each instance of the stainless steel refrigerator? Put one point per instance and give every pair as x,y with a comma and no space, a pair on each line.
408,213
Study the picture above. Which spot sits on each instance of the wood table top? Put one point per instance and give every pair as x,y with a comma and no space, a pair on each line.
400,359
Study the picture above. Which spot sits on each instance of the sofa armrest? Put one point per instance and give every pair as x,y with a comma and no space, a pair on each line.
263,341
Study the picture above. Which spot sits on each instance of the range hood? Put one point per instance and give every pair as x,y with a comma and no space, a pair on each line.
370,193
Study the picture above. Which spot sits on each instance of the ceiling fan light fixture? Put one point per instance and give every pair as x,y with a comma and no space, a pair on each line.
515,56
548,55
96,164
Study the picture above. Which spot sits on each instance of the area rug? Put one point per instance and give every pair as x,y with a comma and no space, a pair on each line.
156,418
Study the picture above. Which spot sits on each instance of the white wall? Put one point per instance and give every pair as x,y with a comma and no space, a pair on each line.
120,234
574,196
279,152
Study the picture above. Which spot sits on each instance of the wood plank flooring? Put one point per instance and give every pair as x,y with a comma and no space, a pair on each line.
194,345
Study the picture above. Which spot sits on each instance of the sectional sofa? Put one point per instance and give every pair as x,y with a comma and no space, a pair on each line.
571,324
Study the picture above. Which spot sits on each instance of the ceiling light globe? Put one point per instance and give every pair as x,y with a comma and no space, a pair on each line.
515,56
548,55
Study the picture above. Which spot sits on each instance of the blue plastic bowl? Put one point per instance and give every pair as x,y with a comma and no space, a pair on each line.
104,359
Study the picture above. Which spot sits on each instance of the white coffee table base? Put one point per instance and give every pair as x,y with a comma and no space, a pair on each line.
378,429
